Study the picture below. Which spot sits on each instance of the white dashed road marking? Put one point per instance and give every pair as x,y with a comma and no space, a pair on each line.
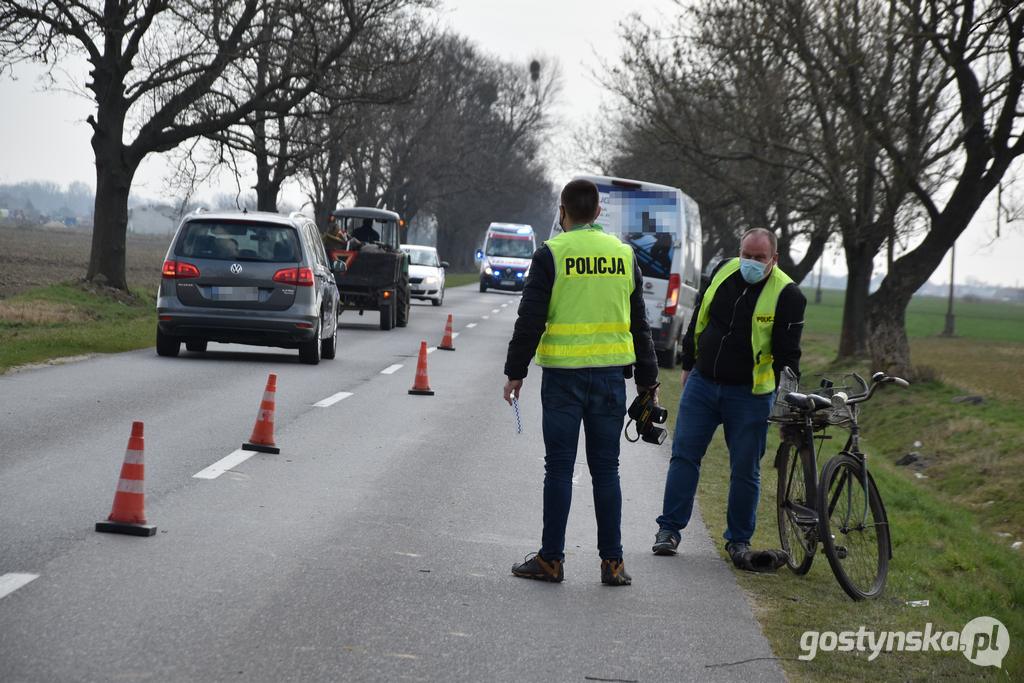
224,464
12,582
331,400
471,325
390,370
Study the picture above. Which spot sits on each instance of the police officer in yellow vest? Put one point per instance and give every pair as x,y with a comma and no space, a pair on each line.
583,314
746,327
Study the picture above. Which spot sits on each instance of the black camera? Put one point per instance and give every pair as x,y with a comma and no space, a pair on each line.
646,413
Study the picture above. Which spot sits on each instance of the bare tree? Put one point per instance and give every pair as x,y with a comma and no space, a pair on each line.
470,129
167,71
980,45
714,112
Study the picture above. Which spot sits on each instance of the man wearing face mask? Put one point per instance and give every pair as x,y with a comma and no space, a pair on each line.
745,328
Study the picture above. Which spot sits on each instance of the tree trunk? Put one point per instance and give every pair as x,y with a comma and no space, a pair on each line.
853,338
115,170
887,335
110,222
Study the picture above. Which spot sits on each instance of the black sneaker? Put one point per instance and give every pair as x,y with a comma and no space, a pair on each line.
665,543
536,567
738,553
613,572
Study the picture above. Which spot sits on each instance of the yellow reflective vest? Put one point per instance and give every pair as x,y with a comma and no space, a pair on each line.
761,325
589,315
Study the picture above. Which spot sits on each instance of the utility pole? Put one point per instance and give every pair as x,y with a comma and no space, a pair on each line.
821,266
949,330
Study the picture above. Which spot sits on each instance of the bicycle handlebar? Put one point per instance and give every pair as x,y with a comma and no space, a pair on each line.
878,379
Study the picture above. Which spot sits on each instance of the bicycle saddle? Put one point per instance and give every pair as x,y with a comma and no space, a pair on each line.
812,401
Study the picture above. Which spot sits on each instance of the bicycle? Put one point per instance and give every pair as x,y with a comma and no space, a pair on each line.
842,508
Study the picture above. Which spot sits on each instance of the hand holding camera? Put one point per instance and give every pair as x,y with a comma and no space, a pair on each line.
646,412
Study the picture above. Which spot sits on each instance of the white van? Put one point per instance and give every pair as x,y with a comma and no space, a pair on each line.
663,226
505,258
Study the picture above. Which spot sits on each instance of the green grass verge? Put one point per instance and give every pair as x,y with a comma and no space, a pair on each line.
73,319
946,527
459,279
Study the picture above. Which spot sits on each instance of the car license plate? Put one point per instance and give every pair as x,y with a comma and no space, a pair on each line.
508,283
236,294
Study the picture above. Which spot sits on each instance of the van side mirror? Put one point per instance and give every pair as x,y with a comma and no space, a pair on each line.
444,264
339,267
479,254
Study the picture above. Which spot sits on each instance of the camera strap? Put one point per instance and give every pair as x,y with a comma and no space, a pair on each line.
625,431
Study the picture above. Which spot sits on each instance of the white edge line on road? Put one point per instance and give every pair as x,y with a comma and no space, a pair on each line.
13,581
390,370
224,464
331,400
471,325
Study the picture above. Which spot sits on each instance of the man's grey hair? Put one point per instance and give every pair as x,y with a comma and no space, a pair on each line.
761,232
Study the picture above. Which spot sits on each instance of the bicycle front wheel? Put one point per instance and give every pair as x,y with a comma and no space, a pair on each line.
853,527
798,525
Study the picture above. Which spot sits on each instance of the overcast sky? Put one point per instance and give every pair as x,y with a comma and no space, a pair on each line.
43,135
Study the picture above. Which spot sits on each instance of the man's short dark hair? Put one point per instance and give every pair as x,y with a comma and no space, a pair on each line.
767,234
581,200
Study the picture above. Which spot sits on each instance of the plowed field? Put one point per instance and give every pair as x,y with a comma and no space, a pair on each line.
36,256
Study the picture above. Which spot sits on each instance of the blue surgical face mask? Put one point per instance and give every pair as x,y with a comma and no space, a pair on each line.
751,270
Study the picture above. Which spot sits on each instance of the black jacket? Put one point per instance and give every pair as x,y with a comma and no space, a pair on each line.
533,316
726,354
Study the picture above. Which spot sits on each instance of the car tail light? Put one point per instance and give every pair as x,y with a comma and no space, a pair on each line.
301,277
673,295
176,270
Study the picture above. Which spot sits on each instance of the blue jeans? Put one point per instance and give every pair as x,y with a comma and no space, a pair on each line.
597,397
702,407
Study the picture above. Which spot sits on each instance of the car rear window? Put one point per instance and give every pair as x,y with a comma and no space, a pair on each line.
238,241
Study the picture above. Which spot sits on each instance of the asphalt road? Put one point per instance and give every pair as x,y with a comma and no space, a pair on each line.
375,547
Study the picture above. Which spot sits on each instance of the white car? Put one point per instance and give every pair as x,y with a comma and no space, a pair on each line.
426,273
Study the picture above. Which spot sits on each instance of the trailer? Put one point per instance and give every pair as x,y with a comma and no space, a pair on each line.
377,270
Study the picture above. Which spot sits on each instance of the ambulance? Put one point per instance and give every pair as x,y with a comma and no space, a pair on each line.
506,255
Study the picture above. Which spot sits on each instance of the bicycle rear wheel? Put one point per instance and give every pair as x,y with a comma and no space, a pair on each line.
857,546
798,528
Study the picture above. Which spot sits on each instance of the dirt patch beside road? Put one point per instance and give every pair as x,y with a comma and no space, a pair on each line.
34,256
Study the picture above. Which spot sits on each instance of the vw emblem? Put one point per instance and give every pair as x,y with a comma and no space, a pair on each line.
236,268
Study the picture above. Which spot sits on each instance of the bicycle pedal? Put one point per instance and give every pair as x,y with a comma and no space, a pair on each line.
841,552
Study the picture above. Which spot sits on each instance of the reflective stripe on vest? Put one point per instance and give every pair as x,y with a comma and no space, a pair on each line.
761,324
589,314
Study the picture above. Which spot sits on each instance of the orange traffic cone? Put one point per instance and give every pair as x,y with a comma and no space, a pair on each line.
446,343
128,515
262,438
422,384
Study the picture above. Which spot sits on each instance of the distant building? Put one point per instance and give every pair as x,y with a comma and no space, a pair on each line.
153,219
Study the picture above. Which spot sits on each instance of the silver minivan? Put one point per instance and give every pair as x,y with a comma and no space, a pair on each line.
248,278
